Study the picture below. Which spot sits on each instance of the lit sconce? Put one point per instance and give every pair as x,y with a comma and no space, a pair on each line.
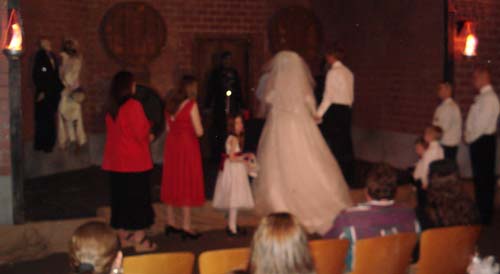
13,45
228,100
468,38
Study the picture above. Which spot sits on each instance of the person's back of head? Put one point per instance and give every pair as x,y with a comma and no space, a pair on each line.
280,246
94,249
381,182
449,205
433,133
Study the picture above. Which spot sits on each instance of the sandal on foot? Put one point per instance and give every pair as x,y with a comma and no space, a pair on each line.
145,245
128,240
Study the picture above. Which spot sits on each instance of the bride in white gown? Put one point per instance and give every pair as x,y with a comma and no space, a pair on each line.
298,172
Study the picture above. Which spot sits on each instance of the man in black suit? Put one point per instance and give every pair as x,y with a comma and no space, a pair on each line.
224,98
48,93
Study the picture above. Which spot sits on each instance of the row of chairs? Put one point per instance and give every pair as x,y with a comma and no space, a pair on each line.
442,251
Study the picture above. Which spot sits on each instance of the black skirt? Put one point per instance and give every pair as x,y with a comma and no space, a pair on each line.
131,207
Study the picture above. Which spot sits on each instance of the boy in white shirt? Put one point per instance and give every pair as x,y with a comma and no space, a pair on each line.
448,117
434,152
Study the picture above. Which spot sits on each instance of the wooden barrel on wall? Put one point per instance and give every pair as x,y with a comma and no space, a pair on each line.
298,29
134,34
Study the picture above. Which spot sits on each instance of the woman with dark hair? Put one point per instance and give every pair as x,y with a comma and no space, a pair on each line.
182,182
127,158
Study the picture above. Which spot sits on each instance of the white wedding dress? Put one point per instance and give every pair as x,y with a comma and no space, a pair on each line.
298,172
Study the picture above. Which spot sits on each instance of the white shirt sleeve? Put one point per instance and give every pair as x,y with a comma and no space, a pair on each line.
333,81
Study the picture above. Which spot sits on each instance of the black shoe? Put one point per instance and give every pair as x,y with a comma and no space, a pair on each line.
231,234
190,235
241,230
171,230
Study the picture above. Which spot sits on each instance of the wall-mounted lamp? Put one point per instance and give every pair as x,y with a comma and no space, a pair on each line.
467,36
13,43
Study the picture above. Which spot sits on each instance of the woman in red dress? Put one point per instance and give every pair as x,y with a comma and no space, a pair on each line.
127,159
182,183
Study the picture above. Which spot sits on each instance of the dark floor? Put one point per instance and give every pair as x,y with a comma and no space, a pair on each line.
78,194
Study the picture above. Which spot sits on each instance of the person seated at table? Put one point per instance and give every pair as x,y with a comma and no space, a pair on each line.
378,216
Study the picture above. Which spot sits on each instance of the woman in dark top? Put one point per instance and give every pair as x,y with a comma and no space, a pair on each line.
127,159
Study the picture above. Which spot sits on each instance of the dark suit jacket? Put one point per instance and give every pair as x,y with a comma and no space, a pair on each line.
153,107
46,75
221,80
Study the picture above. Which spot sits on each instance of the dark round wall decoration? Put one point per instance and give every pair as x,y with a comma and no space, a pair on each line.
133,33
298,29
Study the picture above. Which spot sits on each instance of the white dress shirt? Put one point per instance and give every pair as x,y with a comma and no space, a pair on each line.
339,88
483,115
433,153
447,116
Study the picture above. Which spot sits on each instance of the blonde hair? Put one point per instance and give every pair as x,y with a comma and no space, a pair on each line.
93,248
280,246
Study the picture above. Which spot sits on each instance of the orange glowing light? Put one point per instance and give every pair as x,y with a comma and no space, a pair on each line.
14,36
16,41
470,45
468,39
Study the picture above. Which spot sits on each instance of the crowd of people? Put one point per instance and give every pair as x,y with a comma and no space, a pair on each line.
294,169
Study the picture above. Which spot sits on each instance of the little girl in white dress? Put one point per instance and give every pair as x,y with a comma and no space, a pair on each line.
232,191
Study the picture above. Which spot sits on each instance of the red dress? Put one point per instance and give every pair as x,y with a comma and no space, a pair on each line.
182,182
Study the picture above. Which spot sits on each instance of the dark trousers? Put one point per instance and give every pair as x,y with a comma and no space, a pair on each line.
336,129
218,135
45,124
131,207
450,153
483,156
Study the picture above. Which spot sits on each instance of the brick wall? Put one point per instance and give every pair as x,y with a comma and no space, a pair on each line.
486,15
395,50
185,20
4,101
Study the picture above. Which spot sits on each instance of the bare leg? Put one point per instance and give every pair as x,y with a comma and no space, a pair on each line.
233,220
170,216
186,214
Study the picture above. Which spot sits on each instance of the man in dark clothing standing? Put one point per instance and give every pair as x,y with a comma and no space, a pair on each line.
48,93
224,98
